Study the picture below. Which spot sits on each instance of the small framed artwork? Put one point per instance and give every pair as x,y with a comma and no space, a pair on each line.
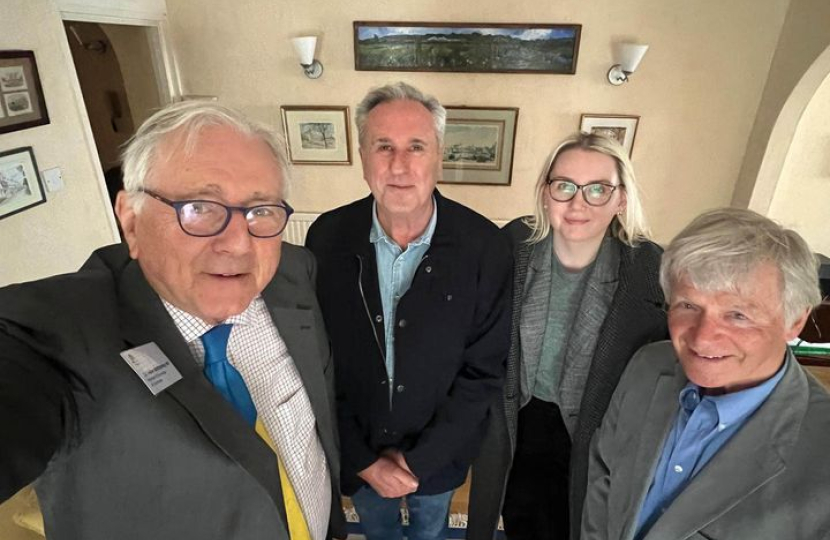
317,135
21,96
466,47
20,185
619,127
478,145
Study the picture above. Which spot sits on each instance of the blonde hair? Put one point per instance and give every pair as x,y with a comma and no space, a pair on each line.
630,227
720,248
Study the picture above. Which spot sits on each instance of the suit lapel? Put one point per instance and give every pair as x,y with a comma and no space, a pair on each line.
534,313
654,419
756,454
143,320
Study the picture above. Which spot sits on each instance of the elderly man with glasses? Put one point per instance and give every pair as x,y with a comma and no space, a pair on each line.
178,386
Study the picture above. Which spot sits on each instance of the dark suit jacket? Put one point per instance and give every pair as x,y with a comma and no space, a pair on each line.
770,480
635,317
450,342
113,461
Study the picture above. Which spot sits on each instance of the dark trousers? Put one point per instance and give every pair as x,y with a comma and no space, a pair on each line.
536,500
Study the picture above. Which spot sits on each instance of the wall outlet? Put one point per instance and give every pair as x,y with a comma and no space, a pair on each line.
53,179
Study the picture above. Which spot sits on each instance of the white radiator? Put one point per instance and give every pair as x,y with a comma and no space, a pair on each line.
300,222
297,228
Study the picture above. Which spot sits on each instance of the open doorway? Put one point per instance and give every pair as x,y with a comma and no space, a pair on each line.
114,64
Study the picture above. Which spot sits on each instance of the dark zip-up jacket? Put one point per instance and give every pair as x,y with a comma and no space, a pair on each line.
451,342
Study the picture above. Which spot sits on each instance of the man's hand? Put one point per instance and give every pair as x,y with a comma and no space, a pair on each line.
400,461
388,478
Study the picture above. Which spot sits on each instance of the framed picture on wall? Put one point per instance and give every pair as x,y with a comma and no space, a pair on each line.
21,96
478,145
621,128
20,184
466,47
317,135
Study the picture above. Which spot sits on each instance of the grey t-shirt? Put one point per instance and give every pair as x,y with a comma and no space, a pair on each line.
566,290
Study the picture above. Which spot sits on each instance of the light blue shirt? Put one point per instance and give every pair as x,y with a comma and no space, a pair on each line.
396,269
703,425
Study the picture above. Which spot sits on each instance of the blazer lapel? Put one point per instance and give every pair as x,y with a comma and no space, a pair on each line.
756,454
654,419
534,314
143,320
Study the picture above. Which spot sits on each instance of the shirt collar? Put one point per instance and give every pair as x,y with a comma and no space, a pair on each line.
736,406
192,327
377,233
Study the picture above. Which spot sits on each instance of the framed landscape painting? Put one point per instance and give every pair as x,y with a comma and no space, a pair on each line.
21,96
317,135
466,47
619,127
20,185
478,145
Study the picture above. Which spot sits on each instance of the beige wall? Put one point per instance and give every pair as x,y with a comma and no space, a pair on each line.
802,196
804,36
696,91
57,236
133,52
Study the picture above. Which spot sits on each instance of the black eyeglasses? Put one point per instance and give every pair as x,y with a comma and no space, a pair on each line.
209,218
594,193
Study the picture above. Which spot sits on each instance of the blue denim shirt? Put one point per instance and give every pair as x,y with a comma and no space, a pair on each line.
703,425
396,269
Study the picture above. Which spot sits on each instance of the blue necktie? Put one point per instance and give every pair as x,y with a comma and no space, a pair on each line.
224,377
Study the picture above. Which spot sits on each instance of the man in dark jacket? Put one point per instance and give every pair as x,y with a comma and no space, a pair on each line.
415,294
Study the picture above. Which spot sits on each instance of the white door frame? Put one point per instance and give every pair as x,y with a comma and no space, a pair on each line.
164,65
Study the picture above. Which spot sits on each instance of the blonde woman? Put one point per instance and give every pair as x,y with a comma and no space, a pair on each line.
586,297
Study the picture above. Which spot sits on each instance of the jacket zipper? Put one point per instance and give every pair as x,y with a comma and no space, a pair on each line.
372,325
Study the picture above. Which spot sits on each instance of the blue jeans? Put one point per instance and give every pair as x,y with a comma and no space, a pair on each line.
381,518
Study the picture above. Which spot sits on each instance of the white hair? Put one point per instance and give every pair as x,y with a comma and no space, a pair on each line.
720,248
395,92
187,119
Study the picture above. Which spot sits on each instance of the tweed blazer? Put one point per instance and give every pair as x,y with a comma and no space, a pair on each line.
635,316
110,459
770,480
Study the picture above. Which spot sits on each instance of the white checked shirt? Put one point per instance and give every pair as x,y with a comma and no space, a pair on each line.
257,351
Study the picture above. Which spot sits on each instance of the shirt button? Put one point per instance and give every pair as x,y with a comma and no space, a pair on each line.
383,382
402,323
678,469
400,388
428,269
378,318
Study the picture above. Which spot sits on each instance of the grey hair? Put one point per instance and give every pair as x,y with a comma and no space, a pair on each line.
400,91
189,118
720,248
630,227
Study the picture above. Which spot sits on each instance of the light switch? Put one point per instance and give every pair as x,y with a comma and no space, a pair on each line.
53,179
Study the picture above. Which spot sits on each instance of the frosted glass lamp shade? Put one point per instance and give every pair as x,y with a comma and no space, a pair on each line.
304,46
630,56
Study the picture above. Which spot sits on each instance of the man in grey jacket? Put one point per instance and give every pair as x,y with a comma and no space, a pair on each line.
144,393
720,433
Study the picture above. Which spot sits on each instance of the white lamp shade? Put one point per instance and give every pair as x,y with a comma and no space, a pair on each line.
305,48
630,55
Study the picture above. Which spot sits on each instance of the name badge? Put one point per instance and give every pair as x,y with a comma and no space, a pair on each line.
152,366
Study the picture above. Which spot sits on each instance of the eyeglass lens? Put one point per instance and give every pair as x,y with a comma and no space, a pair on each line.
206,218
595,193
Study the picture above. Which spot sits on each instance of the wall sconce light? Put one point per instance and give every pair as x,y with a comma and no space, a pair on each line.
629,56
305,50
